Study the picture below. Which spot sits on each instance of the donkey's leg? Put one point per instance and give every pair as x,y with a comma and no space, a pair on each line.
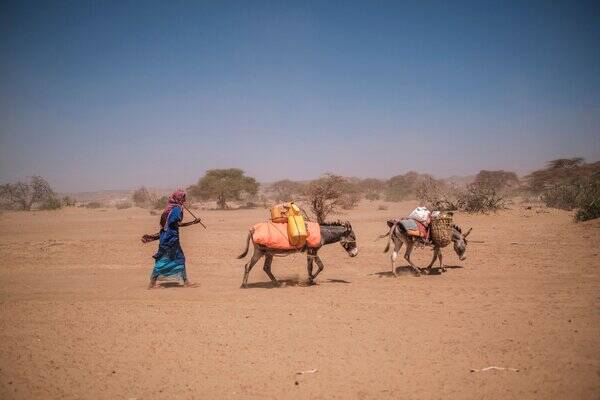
309,265
442,268
319,264
255,257
409,249
435,256
397,246
267,268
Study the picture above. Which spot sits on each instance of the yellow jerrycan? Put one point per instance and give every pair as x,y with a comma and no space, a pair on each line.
281,212
296,226
297,230
278,213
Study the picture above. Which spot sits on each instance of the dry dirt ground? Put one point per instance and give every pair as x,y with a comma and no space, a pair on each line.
77,321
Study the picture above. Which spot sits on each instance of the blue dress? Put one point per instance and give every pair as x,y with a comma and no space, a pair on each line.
170,260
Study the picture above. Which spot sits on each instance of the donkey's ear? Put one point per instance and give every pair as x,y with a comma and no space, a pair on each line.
467,234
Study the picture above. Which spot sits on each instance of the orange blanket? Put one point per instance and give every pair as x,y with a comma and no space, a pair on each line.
275,235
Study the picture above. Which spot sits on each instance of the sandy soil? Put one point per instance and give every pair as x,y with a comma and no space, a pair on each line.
77,321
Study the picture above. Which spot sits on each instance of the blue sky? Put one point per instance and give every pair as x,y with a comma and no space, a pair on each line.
113,95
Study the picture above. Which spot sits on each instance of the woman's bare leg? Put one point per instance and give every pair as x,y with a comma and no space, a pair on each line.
152,283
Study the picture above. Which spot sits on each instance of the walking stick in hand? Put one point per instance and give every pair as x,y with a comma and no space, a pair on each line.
156,236
192,214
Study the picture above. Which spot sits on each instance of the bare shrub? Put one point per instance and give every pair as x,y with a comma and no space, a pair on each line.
372,196
94,205
329,195
382,207
68,201
478,198
371,188
122,205
474,198
51,203
286,190
160,203
142,197
23,196
437,195
403,187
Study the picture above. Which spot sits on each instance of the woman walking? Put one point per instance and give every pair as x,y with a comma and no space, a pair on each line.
170,260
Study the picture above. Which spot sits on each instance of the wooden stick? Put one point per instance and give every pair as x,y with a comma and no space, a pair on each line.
192,214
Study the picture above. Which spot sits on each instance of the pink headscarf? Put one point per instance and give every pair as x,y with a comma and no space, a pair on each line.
177,198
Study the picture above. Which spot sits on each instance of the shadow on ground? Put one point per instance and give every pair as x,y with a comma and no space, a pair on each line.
290,283
168,285
406,270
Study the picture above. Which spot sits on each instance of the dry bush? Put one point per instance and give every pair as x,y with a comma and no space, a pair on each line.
23,196
143,198
122,205
371,196
68,201
51,203
371,188
403,187
94,205
382,207
286,190
477,198
474,198
500,181
160,203
569,184
436,195
589,202
329,195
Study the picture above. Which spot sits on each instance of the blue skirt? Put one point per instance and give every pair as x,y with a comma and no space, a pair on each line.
169,268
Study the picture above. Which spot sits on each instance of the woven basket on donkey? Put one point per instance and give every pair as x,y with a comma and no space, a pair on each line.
441,231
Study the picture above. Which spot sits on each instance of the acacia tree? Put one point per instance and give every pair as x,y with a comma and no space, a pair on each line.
22,196
224,185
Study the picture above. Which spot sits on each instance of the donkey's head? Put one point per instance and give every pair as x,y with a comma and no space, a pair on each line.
348,240
460,241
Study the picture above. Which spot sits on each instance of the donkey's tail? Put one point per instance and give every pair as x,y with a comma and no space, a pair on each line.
247,246
389,235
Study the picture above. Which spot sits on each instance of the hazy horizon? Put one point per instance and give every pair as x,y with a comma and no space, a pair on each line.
116,95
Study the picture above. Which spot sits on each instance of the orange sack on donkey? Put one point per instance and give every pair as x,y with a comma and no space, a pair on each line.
275,235
287,229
